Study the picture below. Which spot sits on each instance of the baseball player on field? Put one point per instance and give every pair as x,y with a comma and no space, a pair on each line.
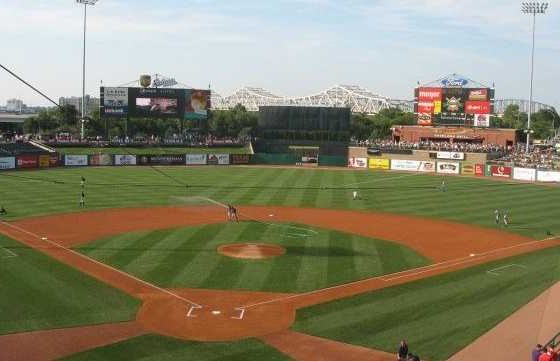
497,216
505,218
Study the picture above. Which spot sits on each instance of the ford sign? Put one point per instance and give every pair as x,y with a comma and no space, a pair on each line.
454,82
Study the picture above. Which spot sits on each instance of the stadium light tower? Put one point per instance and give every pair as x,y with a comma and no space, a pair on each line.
83,118
533,8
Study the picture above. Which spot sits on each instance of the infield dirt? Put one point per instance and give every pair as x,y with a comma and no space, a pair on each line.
188,314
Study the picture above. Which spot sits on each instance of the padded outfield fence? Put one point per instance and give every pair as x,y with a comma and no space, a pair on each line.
451,165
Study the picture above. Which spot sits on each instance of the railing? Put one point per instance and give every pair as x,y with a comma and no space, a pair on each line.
553,342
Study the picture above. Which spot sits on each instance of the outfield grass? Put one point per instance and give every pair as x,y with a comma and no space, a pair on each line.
153,150
159,348
438,316
533,208
187,257
38,292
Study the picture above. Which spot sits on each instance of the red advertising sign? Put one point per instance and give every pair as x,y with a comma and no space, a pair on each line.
478,94
429,94
424,119
27,161
479,169
500,171
426,107
53,161
477,107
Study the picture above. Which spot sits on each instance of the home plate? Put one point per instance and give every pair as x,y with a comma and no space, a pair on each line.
472,255
271,215
44,238
216,312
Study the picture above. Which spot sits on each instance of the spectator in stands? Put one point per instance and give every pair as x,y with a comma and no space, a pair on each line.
536,353
402,353
548,355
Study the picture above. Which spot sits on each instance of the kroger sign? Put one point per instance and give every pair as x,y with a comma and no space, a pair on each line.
454,82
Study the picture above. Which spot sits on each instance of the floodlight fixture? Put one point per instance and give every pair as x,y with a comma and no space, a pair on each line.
533,8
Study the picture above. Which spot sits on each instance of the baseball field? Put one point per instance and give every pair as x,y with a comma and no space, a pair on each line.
138,273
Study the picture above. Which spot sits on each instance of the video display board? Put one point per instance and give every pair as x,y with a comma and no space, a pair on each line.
453,103
155,102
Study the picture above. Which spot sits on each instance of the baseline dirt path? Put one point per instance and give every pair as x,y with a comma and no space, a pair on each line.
54,344
517,335
212,315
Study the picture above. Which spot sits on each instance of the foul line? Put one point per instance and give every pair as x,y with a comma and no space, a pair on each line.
405,273
45,239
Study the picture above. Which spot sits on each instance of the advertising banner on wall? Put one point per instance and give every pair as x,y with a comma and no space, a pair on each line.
400,164
500,171
429,93
44,161
448,167
221,159
100,159
195,159
240,158
424,119
76,160
379,163
354,162
481,120
477,107
479,170
467,169
426,107
164,159
525,174
125,159
478,94
451,155
548,176
427,166
27,161
7,162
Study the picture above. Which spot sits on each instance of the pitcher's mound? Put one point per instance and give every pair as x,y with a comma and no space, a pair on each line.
251,250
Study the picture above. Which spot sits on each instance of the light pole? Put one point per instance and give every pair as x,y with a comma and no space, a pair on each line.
533,8
82,120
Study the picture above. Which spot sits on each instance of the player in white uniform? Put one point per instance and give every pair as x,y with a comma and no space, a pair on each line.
505,219
355,195
497,216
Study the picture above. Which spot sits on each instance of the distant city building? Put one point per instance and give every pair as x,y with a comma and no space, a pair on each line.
92,103
15,105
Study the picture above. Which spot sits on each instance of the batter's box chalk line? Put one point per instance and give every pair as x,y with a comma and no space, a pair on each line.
192,310
7,253
495,271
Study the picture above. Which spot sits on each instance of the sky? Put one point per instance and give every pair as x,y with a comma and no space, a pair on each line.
290,47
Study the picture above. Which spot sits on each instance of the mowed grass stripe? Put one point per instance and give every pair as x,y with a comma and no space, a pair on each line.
464,303
41,293
314,266
171,272
228,270
193,261
160,348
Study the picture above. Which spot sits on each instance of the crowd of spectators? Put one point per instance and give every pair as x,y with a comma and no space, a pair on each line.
438,146
152,140
537,157
541,353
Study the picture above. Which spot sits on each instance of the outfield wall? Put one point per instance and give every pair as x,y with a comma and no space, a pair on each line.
444,163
